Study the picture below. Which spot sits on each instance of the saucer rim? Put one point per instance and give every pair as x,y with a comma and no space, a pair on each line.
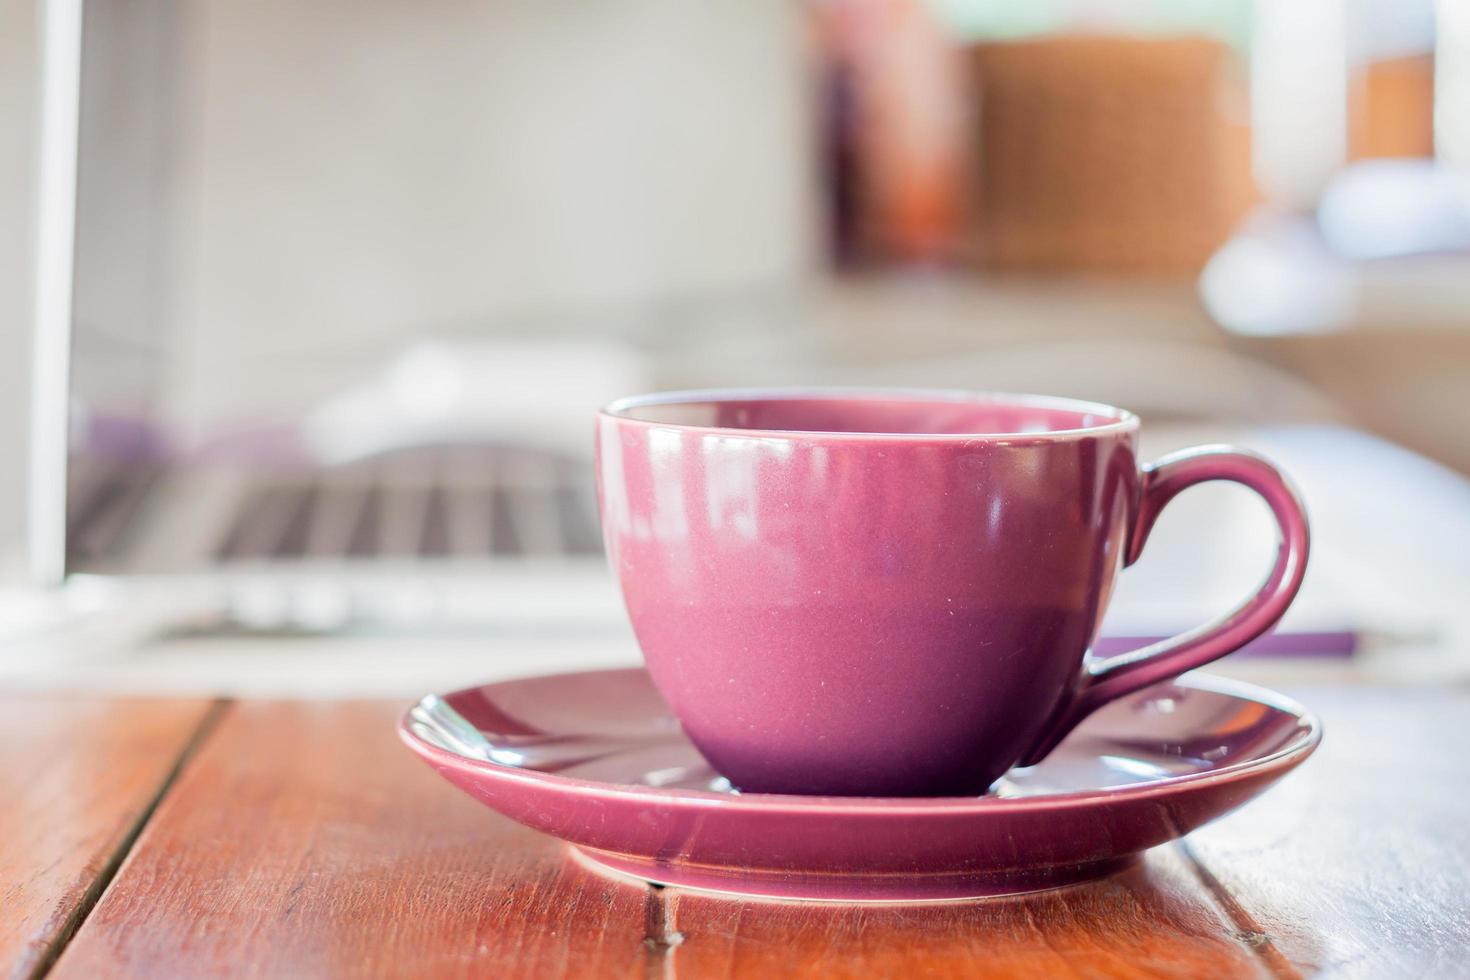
1283,759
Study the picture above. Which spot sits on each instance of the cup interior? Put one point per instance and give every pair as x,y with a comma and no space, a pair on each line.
900,413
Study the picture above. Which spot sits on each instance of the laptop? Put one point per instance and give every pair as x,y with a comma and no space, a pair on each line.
322,416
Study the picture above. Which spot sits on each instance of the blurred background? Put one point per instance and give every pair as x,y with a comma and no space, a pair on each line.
305,307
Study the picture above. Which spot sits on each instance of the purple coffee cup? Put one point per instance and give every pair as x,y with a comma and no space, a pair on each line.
892,593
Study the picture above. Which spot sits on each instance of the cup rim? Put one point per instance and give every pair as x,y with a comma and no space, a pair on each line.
1120,419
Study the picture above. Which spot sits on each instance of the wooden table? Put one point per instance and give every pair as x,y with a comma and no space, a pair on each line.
299,839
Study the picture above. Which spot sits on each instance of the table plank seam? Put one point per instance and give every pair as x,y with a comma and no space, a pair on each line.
109,872
659,937
1248,931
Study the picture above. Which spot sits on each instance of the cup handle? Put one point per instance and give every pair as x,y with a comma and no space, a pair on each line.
1103,680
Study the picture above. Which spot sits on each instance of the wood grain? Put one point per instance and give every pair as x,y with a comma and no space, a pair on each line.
303,840
1358,864
76,778
1155,920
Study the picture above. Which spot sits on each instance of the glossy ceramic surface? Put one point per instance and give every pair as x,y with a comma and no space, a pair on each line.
892,593
598,760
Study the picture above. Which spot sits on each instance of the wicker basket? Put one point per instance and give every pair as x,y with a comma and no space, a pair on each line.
1105,154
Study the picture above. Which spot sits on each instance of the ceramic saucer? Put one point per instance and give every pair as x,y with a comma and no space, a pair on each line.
596,759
